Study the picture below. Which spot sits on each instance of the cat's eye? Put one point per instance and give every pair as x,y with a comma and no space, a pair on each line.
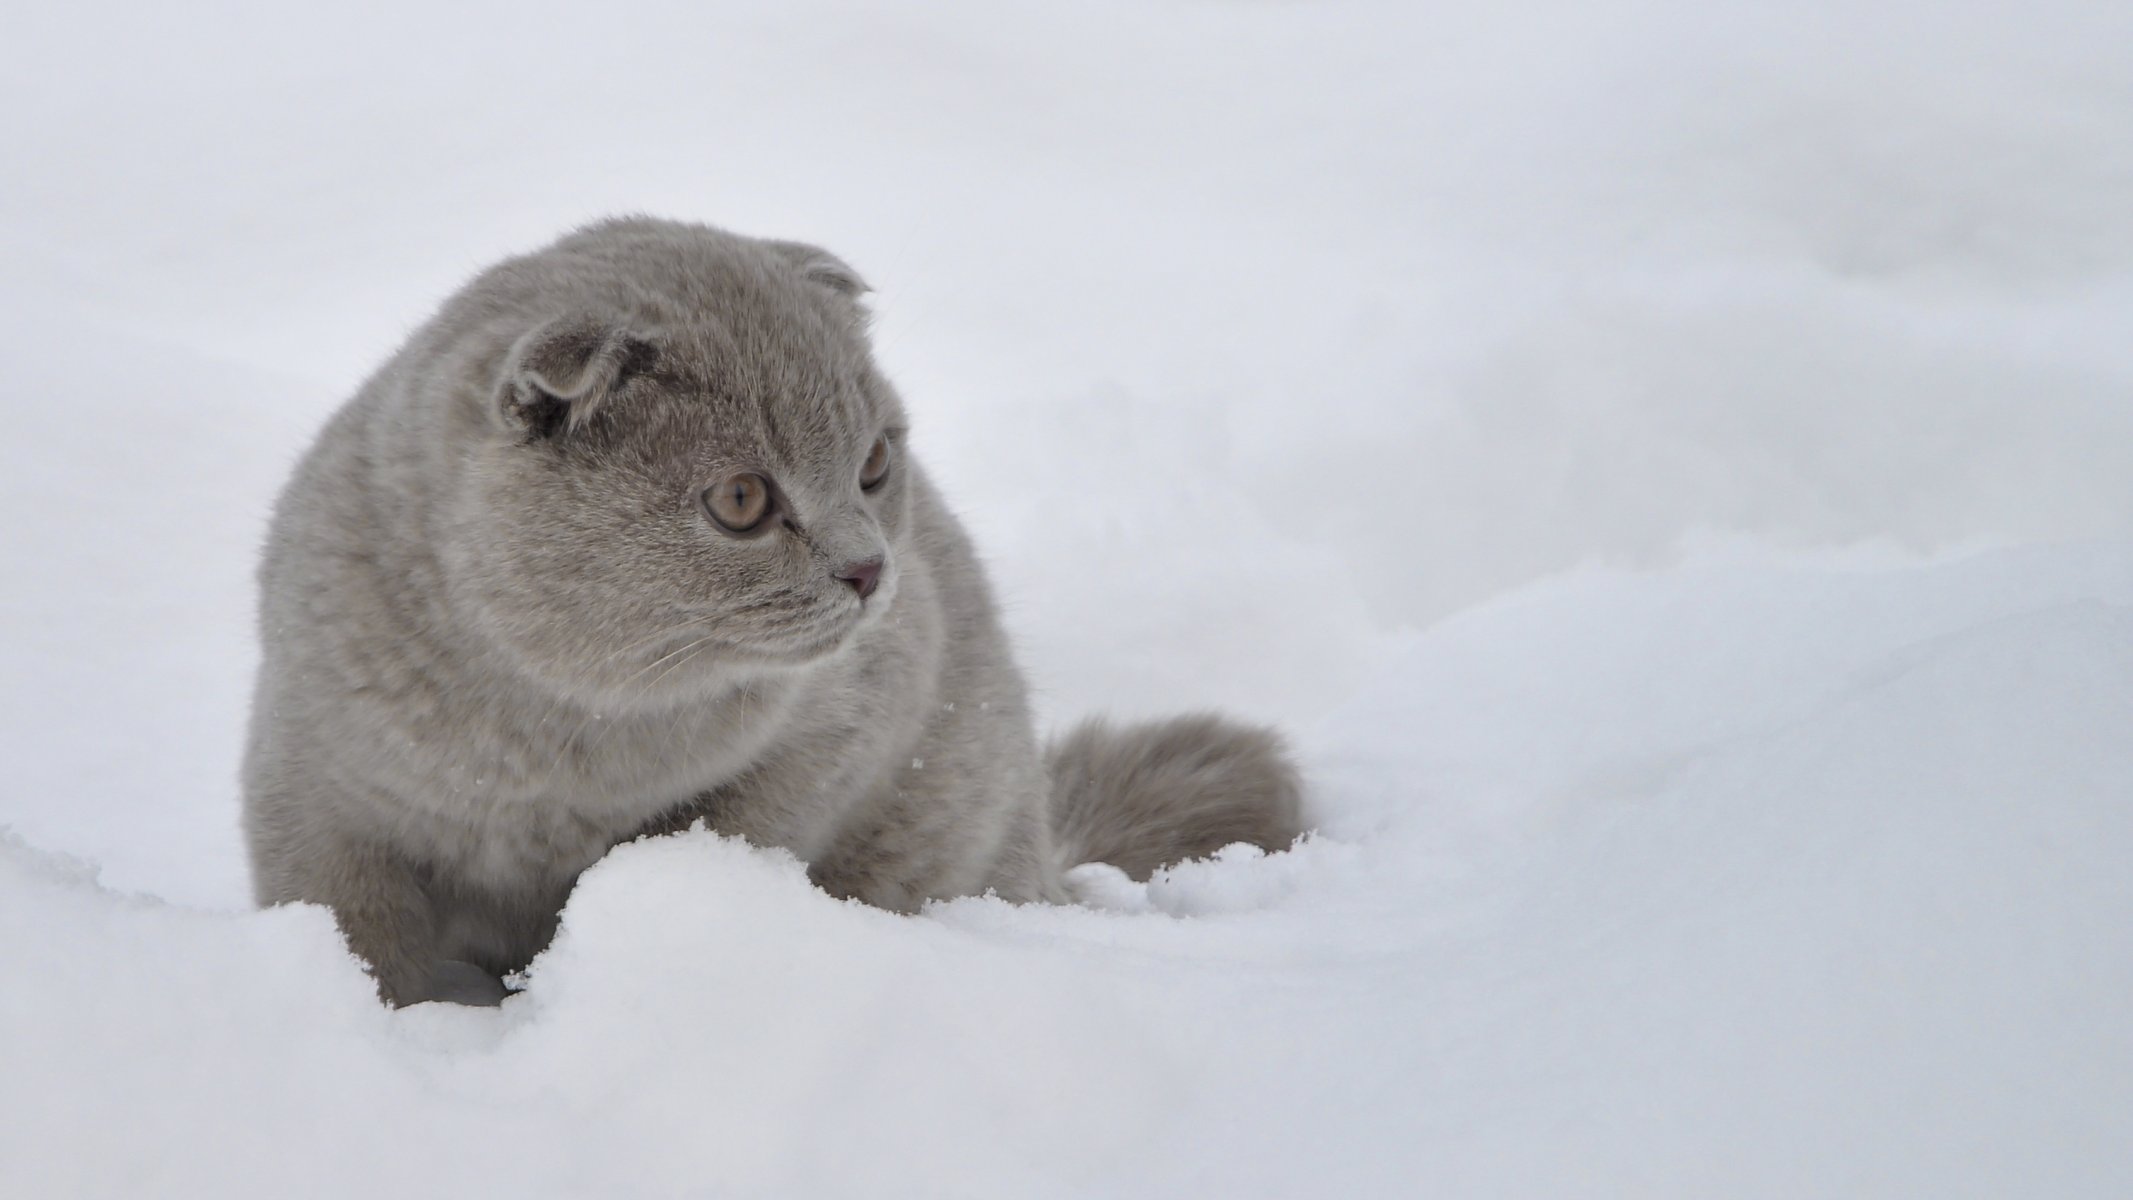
740,502
876,467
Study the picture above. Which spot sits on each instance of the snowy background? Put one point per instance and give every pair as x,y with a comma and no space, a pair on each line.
1667,464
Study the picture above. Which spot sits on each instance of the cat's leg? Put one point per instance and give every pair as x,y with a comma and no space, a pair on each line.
962,811
963,815
379,902
487,934
935,840
385,911
1025,868
893,845
454,981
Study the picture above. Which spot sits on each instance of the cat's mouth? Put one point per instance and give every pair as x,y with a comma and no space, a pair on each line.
825,629
799,649
781,629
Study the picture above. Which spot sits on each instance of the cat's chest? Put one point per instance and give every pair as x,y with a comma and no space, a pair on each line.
547,794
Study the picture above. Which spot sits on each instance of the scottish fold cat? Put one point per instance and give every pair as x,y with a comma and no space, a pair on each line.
632,534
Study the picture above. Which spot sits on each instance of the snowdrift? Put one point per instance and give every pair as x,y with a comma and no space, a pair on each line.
1738,880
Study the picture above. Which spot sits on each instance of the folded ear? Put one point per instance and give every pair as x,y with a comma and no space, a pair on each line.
559,374
820,266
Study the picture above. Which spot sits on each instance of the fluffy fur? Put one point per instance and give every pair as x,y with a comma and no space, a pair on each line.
1151,794
501,633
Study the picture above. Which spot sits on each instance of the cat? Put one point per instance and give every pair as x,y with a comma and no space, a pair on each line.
630,535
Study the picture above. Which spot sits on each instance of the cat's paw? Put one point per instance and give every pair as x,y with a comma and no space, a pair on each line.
1103,886
455,982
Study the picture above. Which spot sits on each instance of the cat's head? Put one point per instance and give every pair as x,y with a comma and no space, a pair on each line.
690,465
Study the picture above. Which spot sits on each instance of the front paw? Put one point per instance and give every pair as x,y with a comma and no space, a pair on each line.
454,982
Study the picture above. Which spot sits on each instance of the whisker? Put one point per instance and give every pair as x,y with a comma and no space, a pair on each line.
585,673
563,747
688,652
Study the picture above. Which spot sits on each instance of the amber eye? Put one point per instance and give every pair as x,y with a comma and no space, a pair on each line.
739,503
876,467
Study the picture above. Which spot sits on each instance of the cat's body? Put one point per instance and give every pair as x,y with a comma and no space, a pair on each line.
511,617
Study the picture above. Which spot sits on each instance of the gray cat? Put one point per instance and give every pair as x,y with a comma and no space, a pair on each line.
629,535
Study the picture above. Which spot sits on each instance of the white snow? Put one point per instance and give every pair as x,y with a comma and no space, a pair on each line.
1666,464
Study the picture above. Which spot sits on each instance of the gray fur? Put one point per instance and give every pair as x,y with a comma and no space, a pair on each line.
1165,791
500,635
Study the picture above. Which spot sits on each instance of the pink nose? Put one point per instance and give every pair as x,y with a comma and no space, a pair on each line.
862,576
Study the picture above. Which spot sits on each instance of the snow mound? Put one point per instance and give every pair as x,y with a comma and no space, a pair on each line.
1743,879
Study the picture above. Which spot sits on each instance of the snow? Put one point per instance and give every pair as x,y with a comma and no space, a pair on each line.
1664,463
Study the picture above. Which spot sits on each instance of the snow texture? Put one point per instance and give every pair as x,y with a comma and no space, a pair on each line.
1666,463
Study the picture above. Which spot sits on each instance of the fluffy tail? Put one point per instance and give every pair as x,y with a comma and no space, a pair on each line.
1144,795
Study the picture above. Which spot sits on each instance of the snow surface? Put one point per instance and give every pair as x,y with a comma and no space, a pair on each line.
1666,463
